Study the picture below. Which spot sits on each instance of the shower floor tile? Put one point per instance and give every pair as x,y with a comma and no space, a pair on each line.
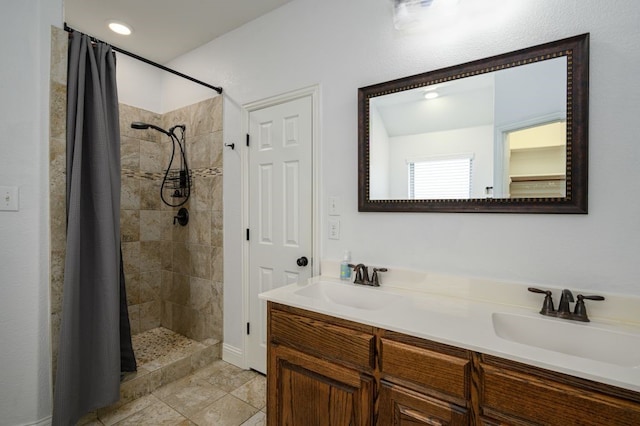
159,344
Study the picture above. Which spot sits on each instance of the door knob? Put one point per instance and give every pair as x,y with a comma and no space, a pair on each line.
302,261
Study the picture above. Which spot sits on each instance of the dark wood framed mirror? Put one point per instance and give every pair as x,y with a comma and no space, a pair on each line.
505,134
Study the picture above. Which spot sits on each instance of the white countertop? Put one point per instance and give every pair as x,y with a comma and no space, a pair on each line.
459,322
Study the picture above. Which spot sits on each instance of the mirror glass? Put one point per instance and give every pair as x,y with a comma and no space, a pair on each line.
501,134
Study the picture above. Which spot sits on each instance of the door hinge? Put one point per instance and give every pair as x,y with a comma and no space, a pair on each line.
247,234
248,328
247,139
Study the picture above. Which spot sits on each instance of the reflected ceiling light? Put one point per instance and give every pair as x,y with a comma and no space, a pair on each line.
430,92
120,28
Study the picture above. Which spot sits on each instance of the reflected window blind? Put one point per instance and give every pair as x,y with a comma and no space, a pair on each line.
440,178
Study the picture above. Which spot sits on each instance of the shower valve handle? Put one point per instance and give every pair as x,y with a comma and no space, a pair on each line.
182,218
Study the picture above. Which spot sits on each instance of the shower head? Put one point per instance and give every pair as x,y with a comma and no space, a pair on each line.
141,126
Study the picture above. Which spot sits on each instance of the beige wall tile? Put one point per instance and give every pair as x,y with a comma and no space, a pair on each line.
151,157
58,110
134,319
181,233
181,262
149,315
130,153
199,150
132,288
217,145
176,370
150,286
217,272
203,193
217,192
201,256
155,225
131,257
150,194
57,280
201,293
129,114
177,290
130,193
151,256
216,228
166,313
200,227
59,48
129,225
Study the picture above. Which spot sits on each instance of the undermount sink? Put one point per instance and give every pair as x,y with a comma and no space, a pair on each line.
350,295
590,341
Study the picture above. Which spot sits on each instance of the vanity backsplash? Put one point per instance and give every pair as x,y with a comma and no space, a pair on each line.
616,307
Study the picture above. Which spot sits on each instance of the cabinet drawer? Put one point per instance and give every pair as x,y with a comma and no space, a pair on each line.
442,372
324,340
400,406
511,396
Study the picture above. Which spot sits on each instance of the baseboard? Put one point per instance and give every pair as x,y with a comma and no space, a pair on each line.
233,355
42,422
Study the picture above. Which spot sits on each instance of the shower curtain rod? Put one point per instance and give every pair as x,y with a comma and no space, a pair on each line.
145,60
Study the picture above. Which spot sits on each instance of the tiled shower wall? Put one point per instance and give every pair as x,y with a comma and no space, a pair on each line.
57,178
174,274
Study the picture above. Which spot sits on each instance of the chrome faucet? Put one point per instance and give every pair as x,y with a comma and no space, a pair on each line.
564,311
362,275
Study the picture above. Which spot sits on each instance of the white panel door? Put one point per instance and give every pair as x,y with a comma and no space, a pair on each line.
280,209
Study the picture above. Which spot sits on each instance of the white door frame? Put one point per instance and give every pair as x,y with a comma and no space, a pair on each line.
314,93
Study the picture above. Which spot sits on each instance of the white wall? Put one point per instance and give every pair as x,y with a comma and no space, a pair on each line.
477,141
379,157
345,45
25,353
139,84
542,84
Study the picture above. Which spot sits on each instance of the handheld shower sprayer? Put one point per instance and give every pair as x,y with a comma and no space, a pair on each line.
141,126
177,181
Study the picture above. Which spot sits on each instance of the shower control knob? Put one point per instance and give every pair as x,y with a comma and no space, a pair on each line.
302,261
182,218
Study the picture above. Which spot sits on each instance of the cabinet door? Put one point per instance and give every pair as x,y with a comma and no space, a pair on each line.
305,390
403,407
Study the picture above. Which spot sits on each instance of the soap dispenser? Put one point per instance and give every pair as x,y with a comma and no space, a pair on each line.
345,269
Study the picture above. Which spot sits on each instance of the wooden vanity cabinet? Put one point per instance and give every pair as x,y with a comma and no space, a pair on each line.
403,407
512,393
320,369
327,371
313,391
422,382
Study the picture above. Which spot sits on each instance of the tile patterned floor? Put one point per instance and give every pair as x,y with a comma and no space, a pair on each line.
219,394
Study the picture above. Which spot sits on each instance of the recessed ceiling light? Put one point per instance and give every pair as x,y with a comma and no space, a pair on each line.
431,95
120,28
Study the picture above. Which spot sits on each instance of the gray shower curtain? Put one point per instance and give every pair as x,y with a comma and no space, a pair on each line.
93,322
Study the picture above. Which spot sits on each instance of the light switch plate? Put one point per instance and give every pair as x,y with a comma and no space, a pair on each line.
9,198
334,229
334,206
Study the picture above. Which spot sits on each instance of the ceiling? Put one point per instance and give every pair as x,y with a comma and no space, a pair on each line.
467,102
164,29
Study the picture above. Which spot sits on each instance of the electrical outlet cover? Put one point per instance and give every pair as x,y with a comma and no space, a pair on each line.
334,229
